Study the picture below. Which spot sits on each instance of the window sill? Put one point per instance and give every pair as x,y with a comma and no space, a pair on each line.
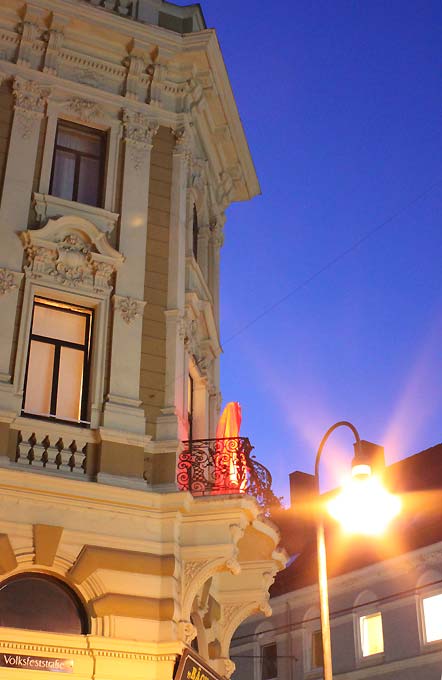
372,660
47,207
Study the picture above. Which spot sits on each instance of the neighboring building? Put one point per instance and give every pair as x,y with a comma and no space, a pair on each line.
120,149
385,595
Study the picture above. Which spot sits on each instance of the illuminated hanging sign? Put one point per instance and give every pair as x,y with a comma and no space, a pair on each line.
192,667
36,663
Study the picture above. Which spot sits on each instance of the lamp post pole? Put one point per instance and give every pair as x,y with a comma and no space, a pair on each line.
321,554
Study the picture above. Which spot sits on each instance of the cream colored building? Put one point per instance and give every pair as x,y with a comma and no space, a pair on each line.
120,150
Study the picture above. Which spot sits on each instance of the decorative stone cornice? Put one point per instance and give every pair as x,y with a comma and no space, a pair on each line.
129,308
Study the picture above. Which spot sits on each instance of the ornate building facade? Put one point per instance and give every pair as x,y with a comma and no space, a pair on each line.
120,149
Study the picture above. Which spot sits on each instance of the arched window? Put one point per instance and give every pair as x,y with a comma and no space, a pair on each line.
41,602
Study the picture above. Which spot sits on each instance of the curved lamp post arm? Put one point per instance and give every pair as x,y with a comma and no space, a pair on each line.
341,423
322,561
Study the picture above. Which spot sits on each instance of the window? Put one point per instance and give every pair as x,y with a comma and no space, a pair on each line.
316,660
78,164
195,233
269,662
57,369
432,609
40,602
372,637
190,395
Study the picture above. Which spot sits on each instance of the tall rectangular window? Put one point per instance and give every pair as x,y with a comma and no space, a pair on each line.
269,662
316,660
195,233
190,398
432,608
78,164
57,372
372,636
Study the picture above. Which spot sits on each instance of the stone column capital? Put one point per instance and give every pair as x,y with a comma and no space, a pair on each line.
139,129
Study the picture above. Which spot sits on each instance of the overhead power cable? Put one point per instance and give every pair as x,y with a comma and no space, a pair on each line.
334,260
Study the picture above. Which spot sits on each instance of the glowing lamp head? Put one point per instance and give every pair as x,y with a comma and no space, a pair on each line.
363,505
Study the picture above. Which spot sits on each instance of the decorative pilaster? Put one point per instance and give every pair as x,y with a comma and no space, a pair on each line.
172,421
30,105
31,30
136,66
216,241
55,38
123,409
203,250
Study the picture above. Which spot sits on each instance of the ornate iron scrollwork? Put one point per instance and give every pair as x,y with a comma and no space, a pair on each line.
223,466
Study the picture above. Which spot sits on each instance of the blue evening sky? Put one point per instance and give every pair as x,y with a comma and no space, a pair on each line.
341,102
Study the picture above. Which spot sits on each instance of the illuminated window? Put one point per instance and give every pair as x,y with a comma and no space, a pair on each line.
195,233
78,164
372,637
190,399
316,659
58,361
432,607
269,662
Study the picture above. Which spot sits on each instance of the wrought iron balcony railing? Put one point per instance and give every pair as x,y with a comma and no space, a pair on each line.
223,466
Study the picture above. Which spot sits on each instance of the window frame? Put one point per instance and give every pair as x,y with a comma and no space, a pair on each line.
73,595
58,344
102,158
312,666
358,617
262,647
190,404
195,231
425,644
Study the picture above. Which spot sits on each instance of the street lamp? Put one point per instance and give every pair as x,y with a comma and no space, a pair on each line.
363,506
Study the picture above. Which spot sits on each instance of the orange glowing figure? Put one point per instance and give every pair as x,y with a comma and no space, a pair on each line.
230,464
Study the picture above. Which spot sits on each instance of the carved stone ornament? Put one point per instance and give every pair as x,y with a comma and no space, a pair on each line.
193,344
192,568
9,280
139,132
30,102
197,173
229,667
216,234
182,143
84,109
71,252
186,632
129,308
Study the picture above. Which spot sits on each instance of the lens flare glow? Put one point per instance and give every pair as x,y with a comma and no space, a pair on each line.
364,506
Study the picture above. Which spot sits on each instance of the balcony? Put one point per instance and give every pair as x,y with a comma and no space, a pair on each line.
208,467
